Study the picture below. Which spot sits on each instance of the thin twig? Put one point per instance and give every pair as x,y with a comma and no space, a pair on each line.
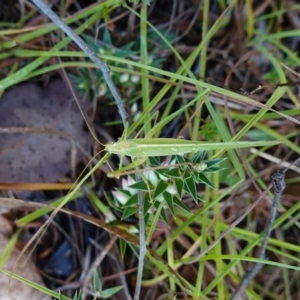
279,186
143,249
91,54
95,265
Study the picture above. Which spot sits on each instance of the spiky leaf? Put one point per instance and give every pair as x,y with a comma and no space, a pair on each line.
160,188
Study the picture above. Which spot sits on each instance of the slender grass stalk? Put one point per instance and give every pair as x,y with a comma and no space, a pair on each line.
143,249
145,97
89,51
279,186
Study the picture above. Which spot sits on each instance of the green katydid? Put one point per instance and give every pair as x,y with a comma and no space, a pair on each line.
143,148
168,146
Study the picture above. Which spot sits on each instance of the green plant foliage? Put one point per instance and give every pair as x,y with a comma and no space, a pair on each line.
166,183
77,296
147,2
97,284
92,80
272,75
106,294
209,130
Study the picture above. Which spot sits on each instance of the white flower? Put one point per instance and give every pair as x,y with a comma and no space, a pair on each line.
121,197
163,178
134,108
102,89
135,78
200,167
126,183
151,176
171,189
160,198
124,78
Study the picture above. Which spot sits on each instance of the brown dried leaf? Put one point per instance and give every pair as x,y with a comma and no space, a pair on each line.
39,157
12,289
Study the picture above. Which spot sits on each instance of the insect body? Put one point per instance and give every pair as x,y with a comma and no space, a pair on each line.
166,147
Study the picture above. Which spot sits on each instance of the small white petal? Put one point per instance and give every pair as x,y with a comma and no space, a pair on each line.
171,189
133,229
200,167
127,182
121,197
102,90
135,78
134,108
151,176
109,217
124,183
163,178
160,198
124,78
130,180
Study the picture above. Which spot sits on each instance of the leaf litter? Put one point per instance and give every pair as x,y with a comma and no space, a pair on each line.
39,156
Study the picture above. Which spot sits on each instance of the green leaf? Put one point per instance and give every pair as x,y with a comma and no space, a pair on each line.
160,188
213,170
186,175
228,176
133,200
154,161
111,291
214,162
203,179
179,159
129,211
190,186
147,2
76,296
198,157
174,172
126,51
106,37
61,298
141,185
91,42
97,285
256,134
179,204
169,200
179,186
162,215
209,130
161,172
123,245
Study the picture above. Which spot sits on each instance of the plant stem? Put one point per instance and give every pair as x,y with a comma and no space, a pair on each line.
279,186
92,55
143,249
